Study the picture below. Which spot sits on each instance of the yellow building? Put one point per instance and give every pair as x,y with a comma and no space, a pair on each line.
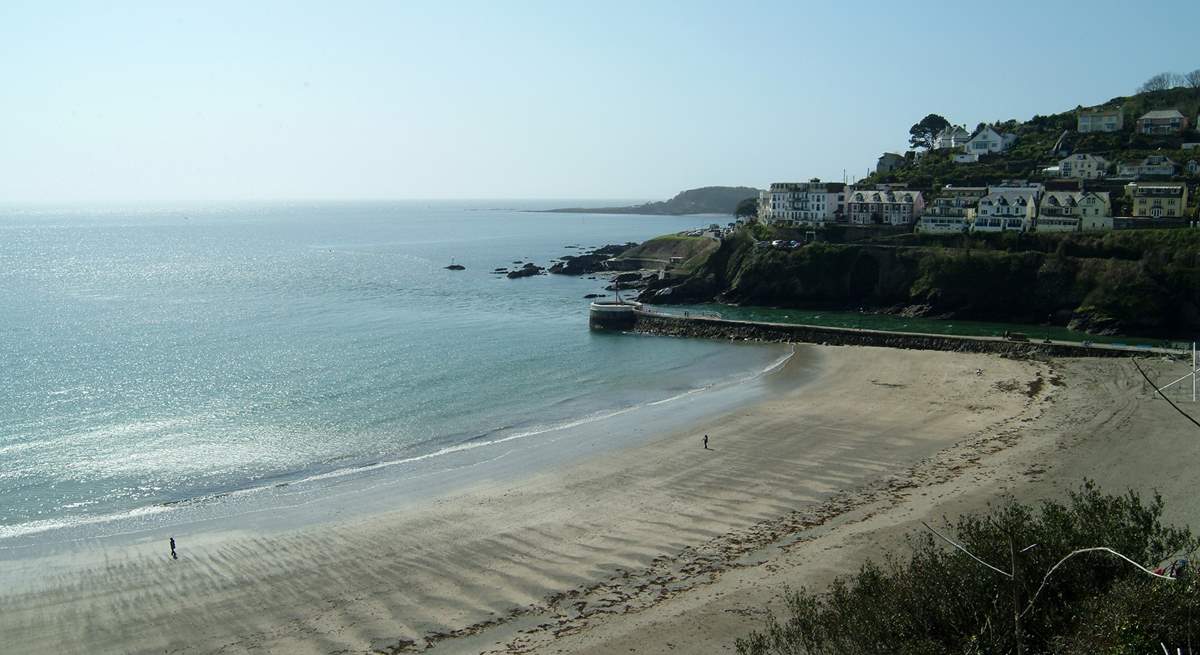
1157,199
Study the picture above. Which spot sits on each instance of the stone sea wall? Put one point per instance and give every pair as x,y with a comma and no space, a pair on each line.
714,328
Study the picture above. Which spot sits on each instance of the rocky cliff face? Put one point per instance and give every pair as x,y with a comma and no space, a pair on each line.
1151,291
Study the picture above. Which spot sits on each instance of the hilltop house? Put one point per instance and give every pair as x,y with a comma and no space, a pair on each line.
884,206
1158,199
1064,211
1100,120
953,211
812,202
888,162
1162,122
988,140
951,137
1006,209
1150,166
1084,167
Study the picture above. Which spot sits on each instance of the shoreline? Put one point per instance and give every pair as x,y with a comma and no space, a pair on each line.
417,477
483,562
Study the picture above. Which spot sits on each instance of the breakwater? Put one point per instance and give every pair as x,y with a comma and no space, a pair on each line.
649,322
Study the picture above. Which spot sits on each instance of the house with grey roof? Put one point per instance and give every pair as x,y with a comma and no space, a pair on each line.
1162,122
888,162
1064,211
1154,165
1006,209
884,206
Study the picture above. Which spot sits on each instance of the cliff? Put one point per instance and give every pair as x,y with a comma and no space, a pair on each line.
1144,283
705,200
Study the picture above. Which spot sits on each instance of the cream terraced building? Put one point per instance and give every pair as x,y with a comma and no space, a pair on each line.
1157,199
804,203
1067,211
884,206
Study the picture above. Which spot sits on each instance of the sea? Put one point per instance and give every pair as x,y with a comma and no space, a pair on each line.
160,364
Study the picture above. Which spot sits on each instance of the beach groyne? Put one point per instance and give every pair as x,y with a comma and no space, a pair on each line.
708,327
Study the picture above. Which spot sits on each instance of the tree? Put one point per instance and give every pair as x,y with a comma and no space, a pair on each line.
923,133
747,208
1192,79
1160,82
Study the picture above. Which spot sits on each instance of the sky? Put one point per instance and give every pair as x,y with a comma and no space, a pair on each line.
218,101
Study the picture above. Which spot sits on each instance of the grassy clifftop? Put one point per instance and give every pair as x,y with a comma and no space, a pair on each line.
1144,283
693,251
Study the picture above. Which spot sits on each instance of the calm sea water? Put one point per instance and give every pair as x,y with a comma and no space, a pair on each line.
149,357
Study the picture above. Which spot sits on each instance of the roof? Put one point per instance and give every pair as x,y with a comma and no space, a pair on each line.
1169,189
1070,198
1160,114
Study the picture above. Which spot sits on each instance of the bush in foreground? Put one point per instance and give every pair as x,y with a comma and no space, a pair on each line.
942,601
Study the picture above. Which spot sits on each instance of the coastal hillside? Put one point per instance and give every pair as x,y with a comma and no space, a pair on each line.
1043,140
705,200
1134,283
690,252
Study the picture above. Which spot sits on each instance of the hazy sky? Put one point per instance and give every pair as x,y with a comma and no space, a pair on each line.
109,101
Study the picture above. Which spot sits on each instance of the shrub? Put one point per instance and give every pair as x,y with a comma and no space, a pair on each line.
941,601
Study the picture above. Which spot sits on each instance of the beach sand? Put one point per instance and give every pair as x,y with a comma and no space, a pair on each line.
657,548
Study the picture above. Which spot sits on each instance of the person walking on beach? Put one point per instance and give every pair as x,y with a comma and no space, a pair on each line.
173,555
706,442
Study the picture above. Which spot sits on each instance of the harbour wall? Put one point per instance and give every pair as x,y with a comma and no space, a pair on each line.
647,322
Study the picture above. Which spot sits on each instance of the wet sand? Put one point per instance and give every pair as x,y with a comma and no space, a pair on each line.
661,547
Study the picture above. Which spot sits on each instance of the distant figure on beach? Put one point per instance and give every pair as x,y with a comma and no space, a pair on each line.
706,442
173,555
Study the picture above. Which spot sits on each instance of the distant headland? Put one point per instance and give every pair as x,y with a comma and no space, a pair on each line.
705,200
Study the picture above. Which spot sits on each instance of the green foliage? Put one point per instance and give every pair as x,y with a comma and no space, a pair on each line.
941,601
1135,282
1037,136
922,134
746,208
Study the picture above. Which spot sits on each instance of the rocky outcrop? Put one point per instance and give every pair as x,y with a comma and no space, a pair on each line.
528,270
590,262
1129,284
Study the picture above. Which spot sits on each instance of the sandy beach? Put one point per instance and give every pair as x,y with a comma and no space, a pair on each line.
656,548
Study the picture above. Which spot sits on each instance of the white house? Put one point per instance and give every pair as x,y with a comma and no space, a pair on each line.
1152,165
951,137
806,203
1193,167
884,206
1008,209
1084,167
1064,211
953,211
988,140
1101,120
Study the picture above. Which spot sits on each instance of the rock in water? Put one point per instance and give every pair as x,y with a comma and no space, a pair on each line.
527,270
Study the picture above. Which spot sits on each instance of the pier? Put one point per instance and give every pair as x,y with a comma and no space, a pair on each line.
647,321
